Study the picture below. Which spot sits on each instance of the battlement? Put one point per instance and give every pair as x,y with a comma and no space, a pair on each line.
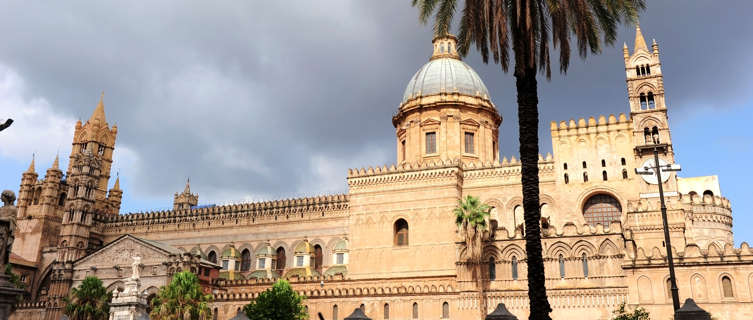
568,230
652,204
692,254
610,123
252,209
441,164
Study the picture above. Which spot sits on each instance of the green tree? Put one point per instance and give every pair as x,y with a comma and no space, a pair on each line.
470,216
182,299
637,314
277,303
527,25
89,301
14,278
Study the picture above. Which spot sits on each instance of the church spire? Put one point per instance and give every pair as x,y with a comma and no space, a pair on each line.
640,43
187,190
99,112
31,166
56,163
117,183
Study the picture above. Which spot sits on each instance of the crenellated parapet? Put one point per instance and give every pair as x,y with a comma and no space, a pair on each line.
691,254
583,126
309,207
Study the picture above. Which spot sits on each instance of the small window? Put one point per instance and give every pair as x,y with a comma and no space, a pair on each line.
445,310
212,256
585,177
262,263
669,288
386,311
415,310
363,308
334,312
624,174
225,264
646,135
651,104
101,150
402,150
584,261
655,135
603,163
643,101
514,266
567,179
564,165
727,287
562,266
299,261
622,161
637,70
340,258
401,232
469,143
245,260
61,200
648,69
492,269
604,175
584,165
431,142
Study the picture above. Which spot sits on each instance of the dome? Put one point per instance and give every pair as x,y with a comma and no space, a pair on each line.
445,73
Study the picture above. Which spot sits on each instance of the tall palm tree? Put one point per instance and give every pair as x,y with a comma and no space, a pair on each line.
182,299
527,25
88,301
470,216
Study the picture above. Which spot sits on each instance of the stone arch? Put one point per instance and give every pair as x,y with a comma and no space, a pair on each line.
512,250
720,283
651,121
583,246
491,250
698,287
117,285
497,208
608,248
248,246
558,248
645,291
601,191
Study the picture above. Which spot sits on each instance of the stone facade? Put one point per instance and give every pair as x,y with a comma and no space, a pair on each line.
390,245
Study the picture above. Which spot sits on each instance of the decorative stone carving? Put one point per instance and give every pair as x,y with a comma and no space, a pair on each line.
8,214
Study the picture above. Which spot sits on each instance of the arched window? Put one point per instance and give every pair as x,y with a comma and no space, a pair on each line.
567,179
318,257
401,232
514,266
334,312
280,260
363,308
604,175
603,163
602,209
445,310
622,161
415,310
61,200
492,269
646,135
655,135
637,70
624,174
245,260
669,288
643,102
562,267
386,311
727,287
693,196
585,176
648,69
584,260
651,104
565,165
584,165
212,256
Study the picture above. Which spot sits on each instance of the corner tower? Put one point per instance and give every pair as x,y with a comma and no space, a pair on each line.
446,112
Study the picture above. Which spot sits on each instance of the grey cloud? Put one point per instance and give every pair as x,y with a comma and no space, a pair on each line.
255,97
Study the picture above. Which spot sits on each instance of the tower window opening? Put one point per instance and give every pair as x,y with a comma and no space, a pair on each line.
602,209
651,104
445,310
415,310
646,135
402,150
585,176
604,175
61,200
431,142
492,269
622,161
584,165
648,69
603,163
624,174
727,287
386,311
643,101
401,232
562,267
567,179
565,165
584,261
101,150
469,143
514,265
655,135
637,70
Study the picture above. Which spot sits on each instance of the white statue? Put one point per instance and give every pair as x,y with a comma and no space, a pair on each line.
135,267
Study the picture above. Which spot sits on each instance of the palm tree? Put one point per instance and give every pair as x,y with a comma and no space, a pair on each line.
470,216
527,25
88,301
182,299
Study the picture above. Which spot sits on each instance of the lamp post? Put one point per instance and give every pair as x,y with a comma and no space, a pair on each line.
657,170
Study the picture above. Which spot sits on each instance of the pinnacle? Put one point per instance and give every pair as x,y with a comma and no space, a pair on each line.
99,112
187,190
31,166
56,163
640,43
117,184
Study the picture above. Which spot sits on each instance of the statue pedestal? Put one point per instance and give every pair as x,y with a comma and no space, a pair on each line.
130,304
8,296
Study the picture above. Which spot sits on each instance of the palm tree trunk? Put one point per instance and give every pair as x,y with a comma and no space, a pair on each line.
528,120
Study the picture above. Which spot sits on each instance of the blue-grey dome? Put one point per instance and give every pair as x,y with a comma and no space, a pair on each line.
445,75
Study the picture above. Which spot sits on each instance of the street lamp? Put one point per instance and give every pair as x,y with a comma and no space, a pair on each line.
657,170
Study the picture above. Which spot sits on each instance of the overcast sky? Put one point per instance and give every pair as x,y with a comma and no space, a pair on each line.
271,99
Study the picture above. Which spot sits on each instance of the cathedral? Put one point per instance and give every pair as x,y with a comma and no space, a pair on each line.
390,245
